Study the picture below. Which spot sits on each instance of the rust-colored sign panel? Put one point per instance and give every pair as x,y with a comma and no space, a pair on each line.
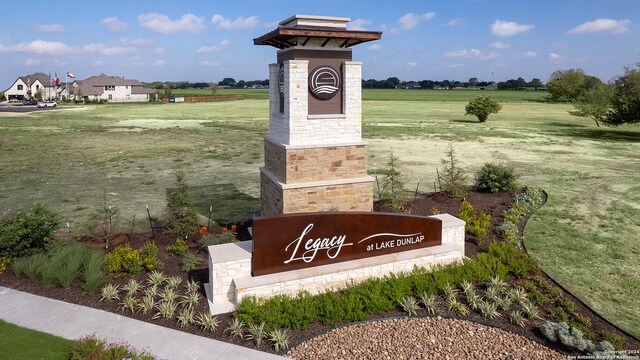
297,241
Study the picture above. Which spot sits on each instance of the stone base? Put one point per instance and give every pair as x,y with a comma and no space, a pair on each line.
354,194
230,268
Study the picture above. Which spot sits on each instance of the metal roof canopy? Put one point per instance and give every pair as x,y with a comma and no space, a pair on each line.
299,29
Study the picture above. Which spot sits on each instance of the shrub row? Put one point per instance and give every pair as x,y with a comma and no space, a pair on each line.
358,301
523,205
125,259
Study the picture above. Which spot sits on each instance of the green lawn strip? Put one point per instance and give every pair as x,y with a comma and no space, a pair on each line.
21,343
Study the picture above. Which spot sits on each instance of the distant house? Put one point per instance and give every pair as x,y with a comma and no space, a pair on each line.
26,87
111,89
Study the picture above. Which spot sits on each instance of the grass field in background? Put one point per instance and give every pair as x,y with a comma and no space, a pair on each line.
20,343
125,156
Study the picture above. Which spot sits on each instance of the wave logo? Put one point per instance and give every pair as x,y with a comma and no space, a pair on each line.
281,80
324,82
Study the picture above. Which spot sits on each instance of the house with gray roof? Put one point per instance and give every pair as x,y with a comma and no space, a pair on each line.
111,89
26,87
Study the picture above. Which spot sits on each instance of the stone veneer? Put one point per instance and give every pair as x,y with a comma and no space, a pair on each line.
230,277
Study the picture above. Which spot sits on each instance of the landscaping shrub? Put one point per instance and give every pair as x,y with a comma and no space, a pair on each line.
359,301
614,339
180,215
571,337
523,205
26,233
92,347
477,223
216,239
125,259
453,181
179,248
189,262
495,178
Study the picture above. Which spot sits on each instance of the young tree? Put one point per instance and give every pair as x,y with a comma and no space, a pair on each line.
481,107
625,99
180,215
594,104
453,181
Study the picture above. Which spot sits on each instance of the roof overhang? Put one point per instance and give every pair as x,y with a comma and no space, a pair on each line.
284,37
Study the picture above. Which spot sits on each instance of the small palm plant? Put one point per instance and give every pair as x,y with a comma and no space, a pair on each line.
517,318
236,328
279,339
208,322
429,301
110,292
257,333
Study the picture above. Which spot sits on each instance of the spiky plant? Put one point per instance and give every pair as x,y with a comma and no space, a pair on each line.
173,282
151,291
279,339
503,302
489,310
493,293
186,317
208,322
236,328
458,308
146,304
191,300
192,286
450,291
131,287
474,301
429,301
165,310
156,278
518,295
517,318
168,294
467,287
128,303
110,292
257,333
530,310
410,305
498,282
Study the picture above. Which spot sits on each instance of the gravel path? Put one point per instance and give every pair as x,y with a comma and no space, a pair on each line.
421,338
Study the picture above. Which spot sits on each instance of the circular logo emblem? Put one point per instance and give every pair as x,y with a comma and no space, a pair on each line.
324,82
281,80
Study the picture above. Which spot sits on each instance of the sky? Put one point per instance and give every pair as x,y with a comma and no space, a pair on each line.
208,40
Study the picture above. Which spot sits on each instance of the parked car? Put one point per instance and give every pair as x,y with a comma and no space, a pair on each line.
47,104
29,102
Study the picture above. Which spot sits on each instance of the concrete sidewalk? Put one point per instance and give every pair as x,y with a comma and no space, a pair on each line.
72,321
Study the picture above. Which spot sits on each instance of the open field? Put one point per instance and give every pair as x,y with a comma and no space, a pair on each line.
125,156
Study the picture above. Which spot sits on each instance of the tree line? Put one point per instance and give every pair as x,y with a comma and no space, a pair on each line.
394,82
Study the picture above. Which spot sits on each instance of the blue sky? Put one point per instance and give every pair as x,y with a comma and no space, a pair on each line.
209,40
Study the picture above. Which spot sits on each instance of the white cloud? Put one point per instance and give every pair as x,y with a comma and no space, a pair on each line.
471,54
32,62
98,63
209,63
159,23
374,47
509,28
51,28
555,58
454,22
358,24
601,25
108,50
209,49
499,45
412,64
136,42
159,51
240,23
158,63
38,47
455,66
114,24
530,54
411,20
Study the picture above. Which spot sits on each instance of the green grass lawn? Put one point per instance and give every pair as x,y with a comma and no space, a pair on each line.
125,156
20,343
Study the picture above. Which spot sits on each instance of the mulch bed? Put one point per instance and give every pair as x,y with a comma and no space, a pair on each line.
493,204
